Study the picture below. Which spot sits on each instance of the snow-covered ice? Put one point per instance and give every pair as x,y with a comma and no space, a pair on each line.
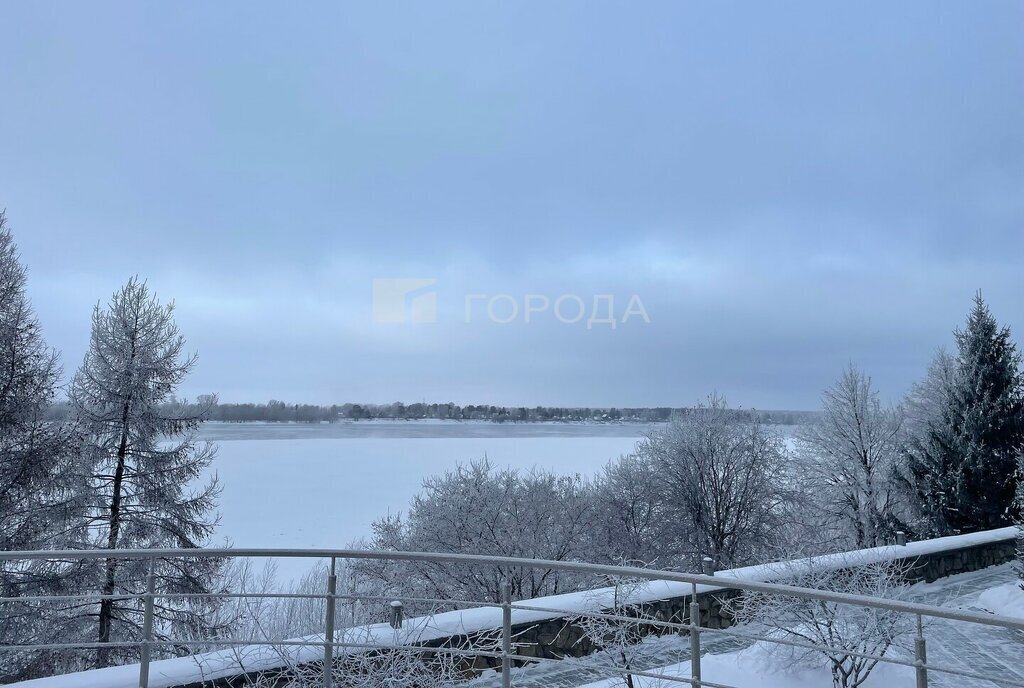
325,489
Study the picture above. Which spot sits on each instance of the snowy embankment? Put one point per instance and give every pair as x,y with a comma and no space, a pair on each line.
261,657
1004,600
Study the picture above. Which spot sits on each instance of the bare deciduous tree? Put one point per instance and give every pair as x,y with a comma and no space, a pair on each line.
724,483
849,455
629,522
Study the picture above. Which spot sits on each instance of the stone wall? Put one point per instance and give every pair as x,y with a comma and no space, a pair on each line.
931,567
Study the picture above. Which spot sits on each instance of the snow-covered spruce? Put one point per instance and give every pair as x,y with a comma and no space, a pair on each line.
962,459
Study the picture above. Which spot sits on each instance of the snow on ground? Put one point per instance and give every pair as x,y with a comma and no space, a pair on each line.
755,667
1005,600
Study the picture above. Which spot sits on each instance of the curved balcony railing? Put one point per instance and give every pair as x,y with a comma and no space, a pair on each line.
496,621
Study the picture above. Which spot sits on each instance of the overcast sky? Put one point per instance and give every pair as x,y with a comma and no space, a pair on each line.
786,187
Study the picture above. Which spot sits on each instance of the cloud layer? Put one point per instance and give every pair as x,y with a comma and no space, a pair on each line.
786,189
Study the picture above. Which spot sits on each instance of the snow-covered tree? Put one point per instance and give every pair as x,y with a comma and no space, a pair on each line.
724,483
926,402
147,465
962,465
360,667
616,642
849,630
301,611
629,523
849,455
40,491
476,509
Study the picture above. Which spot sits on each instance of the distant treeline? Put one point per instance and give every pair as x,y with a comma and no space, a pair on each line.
279,411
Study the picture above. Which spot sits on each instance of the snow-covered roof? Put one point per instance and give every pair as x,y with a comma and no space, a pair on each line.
209,666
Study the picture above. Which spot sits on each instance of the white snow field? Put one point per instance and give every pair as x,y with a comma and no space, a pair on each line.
322,486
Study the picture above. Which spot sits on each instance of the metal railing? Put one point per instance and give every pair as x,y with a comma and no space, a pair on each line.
507,654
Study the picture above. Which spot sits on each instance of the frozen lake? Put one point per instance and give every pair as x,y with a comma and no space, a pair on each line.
323,485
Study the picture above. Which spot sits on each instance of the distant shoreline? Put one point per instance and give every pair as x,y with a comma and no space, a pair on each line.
427,429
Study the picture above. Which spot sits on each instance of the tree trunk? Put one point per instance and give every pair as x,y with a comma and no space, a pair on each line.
107,604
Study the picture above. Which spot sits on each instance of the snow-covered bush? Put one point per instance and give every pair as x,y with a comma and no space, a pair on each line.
850,630
617,642
476,509
251,617
383,668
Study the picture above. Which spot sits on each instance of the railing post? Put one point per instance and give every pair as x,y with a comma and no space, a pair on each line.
707,565
397,613
506,635
901,538
921,655
332,587
694,637
147,627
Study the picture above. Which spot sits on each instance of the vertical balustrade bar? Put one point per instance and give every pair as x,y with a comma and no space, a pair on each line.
921,655
506,635
694,637
332,586
147,627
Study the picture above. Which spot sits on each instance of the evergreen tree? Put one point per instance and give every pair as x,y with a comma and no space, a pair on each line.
39,494
962,464
147,466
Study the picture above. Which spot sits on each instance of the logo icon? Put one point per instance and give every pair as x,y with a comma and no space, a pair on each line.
404,299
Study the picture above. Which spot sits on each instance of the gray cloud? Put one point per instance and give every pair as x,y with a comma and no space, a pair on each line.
786,188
